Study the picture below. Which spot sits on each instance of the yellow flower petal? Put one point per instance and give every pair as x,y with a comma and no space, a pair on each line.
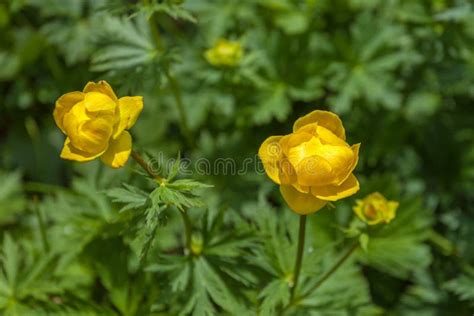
85,133
130,109
63,105
301,146
327,137
70,152
392,208
324,164
336,192
102,87
358,208
325,119
270,153
355,151
95,135
99,102
301,188
301,203
73,120
118,152
276,165
314,170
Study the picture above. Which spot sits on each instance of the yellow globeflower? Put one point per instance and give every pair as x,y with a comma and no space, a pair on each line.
312,165
374,209
224,53
95,122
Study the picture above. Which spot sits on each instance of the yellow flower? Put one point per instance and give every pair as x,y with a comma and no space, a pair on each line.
224,53
375,208
95,123
312,165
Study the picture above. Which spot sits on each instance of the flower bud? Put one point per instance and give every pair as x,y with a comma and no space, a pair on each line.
375,209
224,53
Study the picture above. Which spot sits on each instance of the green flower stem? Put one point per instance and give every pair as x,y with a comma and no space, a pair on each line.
333,269
188,230
183,119
146,166
299,254
174,85
444,244
326,276
42,226
154,28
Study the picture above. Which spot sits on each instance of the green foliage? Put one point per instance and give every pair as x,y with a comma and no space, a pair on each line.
463,286
29,278
179,193
132,197
209,277
207,237
398,248
12,200
126,46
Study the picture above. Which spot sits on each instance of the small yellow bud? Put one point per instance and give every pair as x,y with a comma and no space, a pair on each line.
196,244
375,209
224,53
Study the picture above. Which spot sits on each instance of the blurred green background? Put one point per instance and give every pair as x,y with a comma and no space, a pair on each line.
400,73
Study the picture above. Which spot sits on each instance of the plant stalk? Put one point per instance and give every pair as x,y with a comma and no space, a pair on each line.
333,269
187,232
323,278
42,226
299,254
146,166
183,119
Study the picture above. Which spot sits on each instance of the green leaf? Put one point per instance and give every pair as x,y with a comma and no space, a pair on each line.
26,275
398,248
207,277
364,241
12,200
421,105
180,193
126,46
179,270
176,11
463,286
10,262
175,168
274,295
274,103
292,22
334,296
132,197
188,185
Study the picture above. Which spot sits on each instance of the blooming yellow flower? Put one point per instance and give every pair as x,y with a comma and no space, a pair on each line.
95,123
224,53
312,165
375,208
